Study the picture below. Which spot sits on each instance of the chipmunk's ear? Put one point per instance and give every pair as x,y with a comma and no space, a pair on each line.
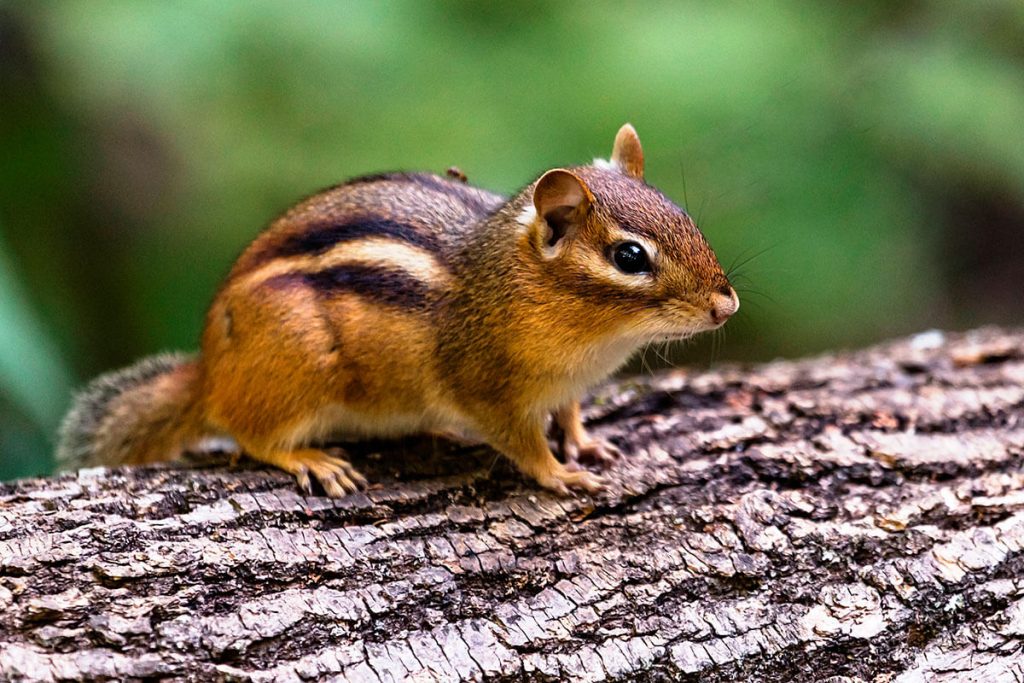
627,153
562,201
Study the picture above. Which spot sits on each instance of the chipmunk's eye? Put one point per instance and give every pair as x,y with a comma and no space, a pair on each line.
630,258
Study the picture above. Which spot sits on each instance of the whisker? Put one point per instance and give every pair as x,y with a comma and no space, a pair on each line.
755,292
666,355
644,367
700,211
738,264
682,172
736,258
752,303
662,354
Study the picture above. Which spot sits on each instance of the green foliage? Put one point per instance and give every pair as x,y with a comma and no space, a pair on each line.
32,371
33,377
826,139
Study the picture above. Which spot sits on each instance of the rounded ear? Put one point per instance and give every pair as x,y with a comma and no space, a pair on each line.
562,200
627,153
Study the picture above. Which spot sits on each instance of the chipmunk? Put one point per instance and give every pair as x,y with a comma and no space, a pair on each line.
409,303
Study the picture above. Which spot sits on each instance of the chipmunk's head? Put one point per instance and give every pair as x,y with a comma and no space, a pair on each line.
612,238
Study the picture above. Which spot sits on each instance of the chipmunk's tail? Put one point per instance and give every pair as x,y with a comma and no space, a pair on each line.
143,413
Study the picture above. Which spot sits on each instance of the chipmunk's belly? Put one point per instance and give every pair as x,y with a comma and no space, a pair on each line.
343,421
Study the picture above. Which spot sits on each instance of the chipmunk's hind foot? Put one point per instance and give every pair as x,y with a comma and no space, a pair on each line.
335,474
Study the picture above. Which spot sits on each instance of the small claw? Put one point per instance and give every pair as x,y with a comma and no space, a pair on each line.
349,476
359,481
302,478
331,487
332,478
559,487
335,474
345,483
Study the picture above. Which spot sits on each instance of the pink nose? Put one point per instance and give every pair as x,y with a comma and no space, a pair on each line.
724,304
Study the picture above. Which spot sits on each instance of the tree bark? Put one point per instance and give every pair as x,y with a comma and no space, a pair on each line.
856,517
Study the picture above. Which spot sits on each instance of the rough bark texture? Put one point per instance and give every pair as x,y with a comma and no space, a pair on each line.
856,516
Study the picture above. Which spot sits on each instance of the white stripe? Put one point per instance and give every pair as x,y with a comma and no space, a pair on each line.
386,252
369,251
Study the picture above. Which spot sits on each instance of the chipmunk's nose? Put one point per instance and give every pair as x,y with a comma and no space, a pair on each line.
724,304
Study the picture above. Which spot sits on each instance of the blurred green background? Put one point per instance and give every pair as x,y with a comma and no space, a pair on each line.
868,155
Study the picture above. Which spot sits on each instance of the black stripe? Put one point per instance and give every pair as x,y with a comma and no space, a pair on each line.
387,286
321,238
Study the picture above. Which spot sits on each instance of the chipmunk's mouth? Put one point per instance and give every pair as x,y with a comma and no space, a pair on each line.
682,336
677,322
675,335
690,330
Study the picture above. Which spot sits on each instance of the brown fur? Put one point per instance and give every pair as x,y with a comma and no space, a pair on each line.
143,413
410,303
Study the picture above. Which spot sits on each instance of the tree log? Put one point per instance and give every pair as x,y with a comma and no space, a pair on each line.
855,517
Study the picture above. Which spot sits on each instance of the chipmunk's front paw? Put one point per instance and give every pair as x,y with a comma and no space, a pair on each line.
591,452
562,480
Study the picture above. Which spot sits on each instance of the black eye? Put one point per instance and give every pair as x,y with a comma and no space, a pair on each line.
630,258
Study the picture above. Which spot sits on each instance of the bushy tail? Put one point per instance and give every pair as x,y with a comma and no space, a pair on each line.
142,413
